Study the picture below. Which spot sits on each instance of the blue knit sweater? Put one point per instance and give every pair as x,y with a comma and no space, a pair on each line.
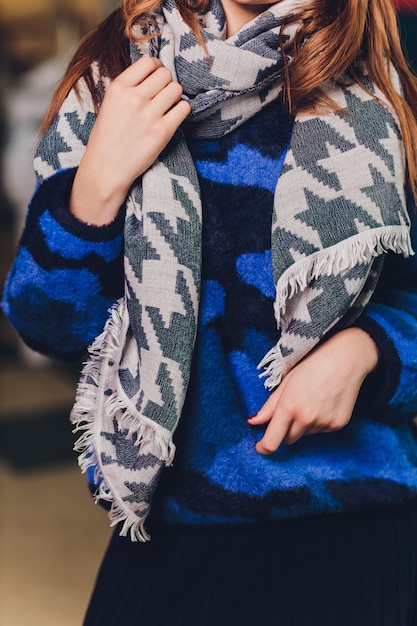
67,274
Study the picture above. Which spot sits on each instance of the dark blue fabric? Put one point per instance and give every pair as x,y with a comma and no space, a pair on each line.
217,476
355,569
57,255
67,274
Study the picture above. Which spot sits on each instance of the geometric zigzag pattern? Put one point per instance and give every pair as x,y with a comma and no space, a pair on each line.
339,203
347,189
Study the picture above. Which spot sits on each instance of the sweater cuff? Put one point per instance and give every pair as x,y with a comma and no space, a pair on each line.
54,194
379,386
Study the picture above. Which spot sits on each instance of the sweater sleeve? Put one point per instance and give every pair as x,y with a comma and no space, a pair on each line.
66,274
390,393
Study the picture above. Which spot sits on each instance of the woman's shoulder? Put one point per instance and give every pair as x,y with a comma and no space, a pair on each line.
63,143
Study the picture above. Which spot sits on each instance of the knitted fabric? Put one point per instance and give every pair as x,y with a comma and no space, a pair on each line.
67,274
339,204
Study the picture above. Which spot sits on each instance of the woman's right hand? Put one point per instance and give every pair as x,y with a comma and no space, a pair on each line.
139,115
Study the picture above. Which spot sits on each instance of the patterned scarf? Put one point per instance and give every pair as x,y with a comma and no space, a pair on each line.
339,204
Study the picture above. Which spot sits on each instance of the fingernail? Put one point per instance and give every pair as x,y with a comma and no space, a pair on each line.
252,416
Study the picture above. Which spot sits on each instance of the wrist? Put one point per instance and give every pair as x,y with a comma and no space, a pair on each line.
96,197
366,350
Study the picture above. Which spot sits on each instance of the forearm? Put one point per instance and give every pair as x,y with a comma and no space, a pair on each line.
94,199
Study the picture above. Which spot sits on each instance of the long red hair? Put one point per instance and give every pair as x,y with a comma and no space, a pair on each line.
335,35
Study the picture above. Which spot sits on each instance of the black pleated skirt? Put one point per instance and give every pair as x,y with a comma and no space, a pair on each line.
350,569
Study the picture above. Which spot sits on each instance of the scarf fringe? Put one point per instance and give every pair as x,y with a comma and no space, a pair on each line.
339,258
336,259
273,367
132,526
86,415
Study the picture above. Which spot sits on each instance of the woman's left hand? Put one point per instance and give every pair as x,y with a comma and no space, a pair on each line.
318,395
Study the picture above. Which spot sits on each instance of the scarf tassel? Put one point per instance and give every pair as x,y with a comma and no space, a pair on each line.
340,258
334,260
92,409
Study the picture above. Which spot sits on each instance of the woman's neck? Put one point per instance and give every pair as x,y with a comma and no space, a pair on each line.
238,13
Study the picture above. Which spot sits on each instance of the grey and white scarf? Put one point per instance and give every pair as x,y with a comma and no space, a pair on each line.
339,205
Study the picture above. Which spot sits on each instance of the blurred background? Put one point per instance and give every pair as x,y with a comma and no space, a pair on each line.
52,537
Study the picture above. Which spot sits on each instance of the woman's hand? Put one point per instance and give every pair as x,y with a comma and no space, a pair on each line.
319,394
139,115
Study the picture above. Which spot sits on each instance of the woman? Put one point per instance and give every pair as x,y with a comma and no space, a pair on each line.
292,502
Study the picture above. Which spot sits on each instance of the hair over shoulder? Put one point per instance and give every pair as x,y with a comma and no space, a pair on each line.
336,36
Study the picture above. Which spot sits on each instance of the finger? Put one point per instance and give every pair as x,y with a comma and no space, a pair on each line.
167,98
274,435
266,412
155,83
177,114
138,71
294,433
